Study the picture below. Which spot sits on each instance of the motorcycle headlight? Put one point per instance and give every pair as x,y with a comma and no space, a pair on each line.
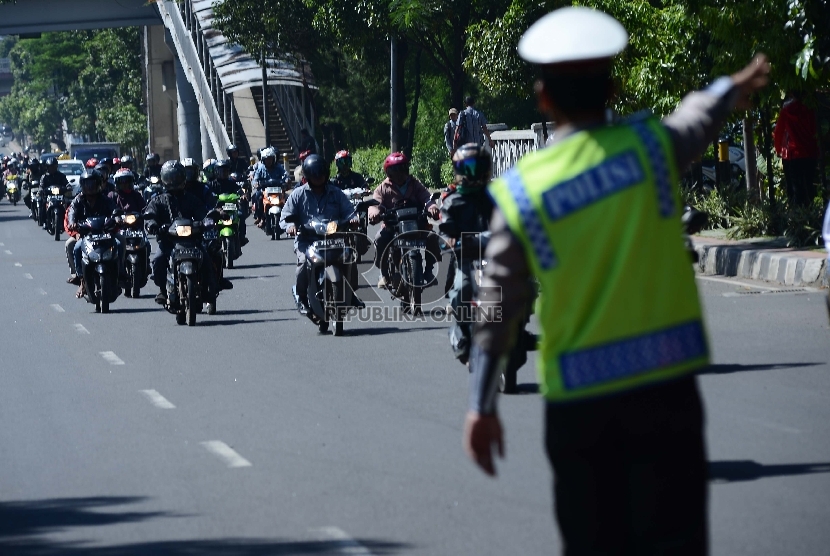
183,231
130,219
56,191
331,228
228,222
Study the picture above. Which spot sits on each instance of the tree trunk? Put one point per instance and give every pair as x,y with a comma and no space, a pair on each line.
413,115
750,160
766,129
398,96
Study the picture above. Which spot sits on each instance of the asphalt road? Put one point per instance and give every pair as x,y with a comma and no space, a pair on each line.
252,434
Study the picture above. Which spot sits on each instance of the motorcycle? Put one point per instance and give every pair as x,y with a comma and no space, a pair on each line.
56,205
273,199
152,187
328,261
356,196
13,188
137,253
38,205
406,258
187,291
99,258
229,228
692,221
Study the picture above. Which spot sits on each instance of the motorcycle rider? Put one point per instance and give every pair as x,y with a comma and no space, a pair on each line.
268,169
196,187
152,166
162,210
127,199
222,184
345,178
319,197
398,188
466,210
52,177
91,202
128,163
237,163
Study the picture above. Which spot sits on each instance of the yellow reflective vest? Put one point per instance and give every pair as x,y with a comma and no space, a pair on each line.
599,218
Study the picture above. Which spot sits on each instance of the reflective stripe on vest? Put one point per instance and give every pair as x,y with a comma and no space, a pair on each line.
533,224
632,356
659,166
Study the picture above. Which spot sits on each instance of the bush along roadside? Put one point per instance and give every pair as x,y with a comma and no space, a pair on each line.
731,210
432,167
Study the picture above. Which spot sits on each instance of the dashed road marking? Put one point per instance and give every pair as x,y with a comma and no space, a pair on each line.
111,358
158,400
225,453
81,328
58,308
41,291
8,252
344,544
28,276
17,264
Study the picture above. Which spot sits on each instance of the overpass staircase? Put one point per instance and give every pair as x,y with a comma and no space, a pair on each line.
228,84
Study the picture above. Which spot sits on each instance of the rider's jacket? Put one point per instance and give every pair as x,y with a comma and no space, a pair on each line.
465,213
220,187
128,202
352,180
201,191
152,171
390,196
263,174
305,204
598,217
81,208
239,165
57,178
164,208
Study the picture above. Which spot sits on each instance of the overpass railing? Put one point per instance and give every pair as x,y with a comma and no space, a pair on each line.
511,145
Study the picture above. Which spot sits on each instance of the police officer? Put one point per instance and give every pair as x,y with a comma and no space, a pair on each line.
595,218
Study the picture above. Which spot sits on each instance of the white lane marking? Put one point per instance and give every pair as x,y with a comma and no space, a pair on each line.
58,308
345,544
8,252
111,358
157,399
81,328
41,291
774,426
17,264
734,282
226,453
28,276
2,244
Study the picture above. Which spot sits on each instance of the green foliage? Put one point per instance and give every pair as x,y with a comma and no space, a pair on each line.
430,166
91,79
278,28
369,162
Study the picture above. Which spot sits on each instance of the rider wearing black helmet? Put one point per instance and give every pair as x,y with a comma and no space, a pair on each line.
174,203
52,177
91,202
194,186
318,197
222,184
238,164
152,166
466,210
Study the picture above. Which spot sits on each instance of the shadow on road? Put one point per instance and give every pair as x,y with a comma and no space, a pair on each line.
263,265
727,368
381,330
12,216
230,322
527,388
128,310
731,471
23,525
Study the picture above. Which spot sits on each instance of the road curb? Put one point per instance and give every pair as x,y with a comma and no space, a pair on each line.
770,265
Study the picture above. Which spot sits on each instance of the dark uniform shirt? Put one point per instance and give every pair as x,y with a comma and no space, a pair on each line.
129,202
82,208
351,181
163,209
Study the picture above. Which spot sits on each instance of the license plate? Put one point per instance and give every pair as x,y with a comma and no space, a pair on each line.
273,190
98,237
56,199
413,244
187,253
229,206
211,234
330,243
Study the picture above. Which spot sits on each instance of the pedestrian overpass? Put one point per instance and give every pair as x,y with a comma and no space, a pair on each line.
202,93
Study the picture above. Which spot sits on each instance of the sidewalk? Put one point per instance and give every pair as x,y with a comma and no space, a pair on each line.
767,259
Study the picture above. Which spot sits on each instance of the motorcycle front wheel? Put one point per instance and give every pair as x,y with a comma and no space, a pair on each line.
103,293
56,226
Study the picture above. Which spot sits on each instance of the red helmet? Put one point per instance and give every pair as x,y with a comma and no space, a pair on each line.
395,159
92,163
304,155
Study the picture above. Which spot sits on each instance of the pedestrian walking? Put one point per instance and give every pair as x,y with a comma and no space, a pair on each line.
471,126
797,144
449,131
595,219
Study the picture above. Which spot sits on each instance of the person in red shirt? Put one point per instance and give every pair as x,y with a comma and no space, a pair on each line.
797,145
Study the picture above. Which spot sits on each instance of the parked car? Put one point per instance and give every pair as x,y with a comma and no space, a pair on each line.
72,169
